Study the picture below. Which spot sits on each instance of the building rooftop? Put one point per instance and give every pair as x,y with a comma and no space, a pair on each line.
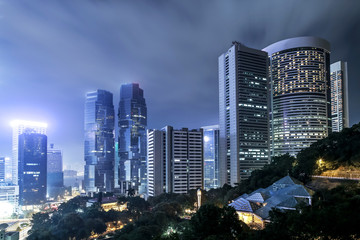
285,193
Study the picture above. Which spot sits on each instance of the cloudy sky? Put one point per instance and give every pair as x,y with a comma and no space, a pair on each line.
53,52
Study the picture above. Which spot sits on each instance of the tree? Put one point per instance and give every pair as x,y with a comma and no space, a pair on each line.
211,221
70,226
95,225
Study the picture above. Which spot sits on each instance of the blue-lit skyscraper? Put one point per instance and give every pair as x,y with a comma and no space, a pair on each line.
32,168
211,156
132,137
99,142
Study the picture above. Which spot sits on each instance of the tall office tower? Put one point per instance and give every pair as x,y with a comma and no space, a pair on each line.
156,162
339,96
20,127
243,113
300,103
132,137
99,142
211,156
175,160
32,168
55,175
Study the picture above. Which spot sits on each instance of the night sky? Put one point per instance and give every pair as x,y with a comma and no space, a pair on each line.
53,52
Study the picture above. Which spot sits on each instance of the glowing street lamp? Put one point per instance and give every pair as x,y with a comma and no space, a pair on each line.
199,198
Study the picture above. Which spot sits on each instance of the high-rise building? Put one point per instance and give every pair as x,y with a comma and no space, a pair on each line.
300,86
2,169
156,162
339,96
8,170
55,175
132,137
20,127
211,156
99,142
243,112
32,168
116,165
175,160
9,199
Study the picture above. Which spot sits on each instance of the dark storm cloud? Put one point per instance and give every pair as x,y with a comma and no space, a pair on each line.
52,52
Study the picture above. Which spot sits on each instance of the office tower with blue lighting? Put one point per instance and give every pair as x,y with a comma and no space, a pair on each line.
132,138
211,156
55,175
32,168
175,160
19,127
99,142
243,113
339,96
300,86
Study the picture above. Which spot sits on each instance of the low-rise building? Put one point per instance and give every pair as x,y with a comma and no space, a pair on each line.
108,203
285,194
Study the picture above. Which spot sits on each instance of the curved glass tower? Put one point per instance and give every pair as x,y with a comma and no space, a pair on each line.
300,85
99,142
132,137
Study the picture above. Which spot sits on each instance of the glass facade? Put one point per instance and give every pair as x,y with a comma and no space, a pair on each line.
32,168
55,176
243,112
300,104
132,137
339,96
211,156
99,142
19,127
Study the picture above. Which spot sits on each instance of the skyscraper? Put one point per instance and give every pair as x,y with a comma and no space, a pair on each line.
243,110
132,137
55,175
99,142
211,156
32,168
2,169
175,160
339,96
156,162
20,127
300,85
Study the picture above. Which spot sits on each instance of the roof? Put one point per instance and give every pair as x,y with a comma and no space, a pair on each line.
285,193
307,41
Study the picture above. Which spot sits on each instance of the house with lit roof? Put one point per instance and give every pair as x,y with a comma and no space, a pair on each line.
285,194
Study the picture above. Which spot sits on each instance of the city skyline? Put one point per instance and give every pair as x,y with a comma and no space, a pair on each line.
175,62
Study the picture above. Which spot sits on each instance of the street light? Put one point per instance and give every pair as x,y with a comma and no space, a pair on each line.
199,198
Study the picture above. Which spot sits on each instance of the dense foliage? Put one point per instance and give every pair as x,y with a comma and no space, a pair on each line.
74,220
338,149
